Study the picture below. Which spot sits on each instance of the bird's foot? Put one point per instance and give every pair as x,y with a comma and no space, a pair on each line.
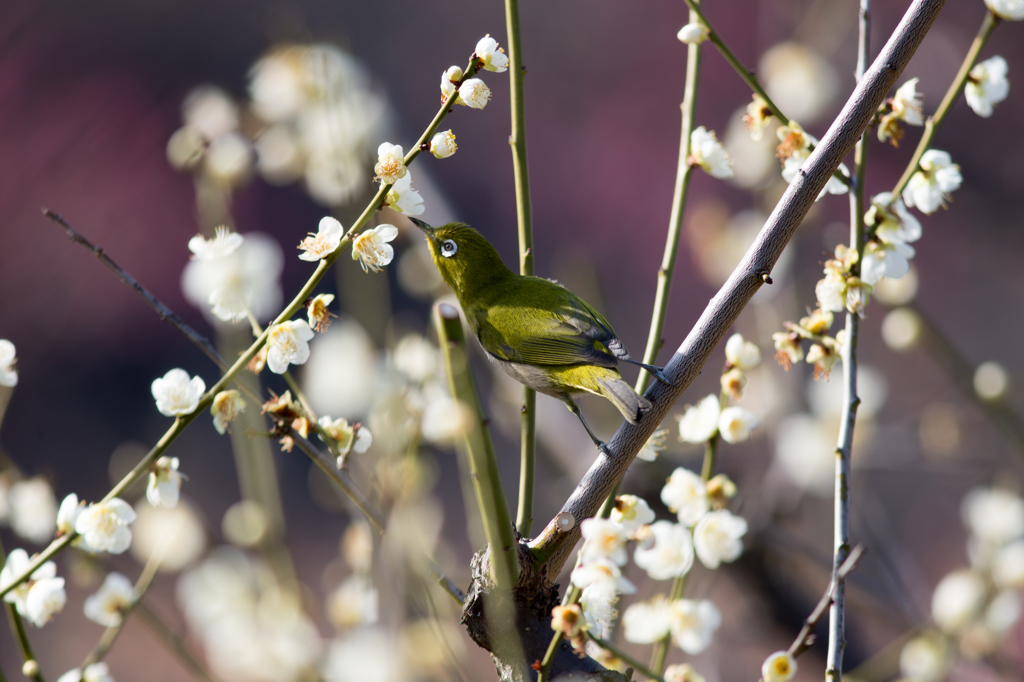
657,372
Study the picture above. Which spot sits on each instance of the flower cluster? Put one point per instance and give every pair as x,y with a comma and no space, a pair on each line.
903,106
710,417
795,146
40,597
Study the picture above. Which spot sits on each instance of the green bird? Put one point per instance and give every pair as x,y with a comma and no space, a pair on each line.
543,335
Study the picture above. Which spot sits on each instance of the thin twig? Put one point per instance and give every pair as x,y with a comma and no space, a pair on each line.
626,658
805,638
554,546
152,301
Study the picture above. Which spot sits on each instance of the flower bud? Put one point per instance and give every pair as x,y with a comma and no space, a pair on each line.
693,34
442,145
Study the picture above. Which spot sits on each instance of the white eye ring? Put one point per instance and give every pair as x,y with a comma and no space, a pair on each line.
449,248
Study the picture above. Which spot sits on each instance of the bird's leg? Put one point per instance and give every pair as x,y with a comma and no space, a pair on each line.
575,409
657,372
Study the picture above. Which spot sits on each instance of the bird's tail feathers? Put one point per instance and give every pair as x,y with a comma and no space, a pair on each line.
622,395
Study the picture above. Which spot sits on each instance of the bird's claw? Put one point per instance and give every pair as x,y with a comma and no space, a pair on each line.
659,374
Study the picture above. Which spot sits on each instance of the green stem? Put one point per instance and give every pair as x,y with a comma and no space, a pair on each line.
931,126
629,660
296,304
524,213
20,634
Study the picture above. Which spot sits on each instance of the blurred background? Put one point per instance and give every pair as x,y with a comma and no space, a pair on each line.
102,122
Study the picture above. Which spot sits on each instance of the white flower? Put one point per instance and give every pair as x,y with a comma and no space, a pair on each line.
445,419
686,494
1008,566
17,563
700,422
667,552
390,163
416,357
987,85
601,571
164,483
177,533
365,655
631,512
324,242
906,103
371,248
68,513
892,221
211,110
736,423
97,672
104,526
1013,10
237,282
449,79
957,599
108,605
33,509
226,406
924,659
403,198
646,622
224,243
318,312
176,393
1003,612
693,34
442,145
682,672
288,343
602,539
45,599
339,430
694,624
742,353
929,187
598,601
885,260
718,538
708,153
830,292
653,447
994,515
8,354
474,94
493,58
354,602
779,667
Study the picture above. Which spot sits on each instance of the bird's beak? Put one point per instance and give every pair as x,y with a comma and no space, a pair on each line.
427,229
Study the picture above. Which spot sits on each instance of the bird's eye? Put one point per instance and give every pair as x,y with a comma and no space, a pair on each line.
449,248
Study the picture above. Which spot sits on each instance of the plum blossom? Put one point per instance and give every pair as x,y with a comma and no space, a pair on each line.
390,163
646,622
667,552
176,393
987,85
957,599
905,106
735,424
693,34
654,446
104,526
324,242
442,145
602,539
474,94
403,198
694,624
371,248
8,354
718,537
1012,10
39,597
491,56
223,243
108,605
708,153
97,672
33,509
601,571
226,406
779,667
236,278
742,353
700,422
449,79
164,484
686,494
929,187
631,512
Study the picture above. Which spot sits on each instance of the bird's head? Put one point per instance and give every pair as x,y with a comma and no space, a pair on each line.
466,260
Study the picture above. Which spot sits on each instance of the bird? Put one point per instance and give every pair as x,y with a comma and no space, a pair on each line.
542,335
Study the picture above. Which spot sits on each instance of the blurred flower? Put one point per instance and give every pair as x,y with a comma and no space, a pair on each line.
929,187
449,79
646,622
700,422
343,434
667,552
474,94
46,598
708,153
733,382
445,420
176,393
602,539
987,85
823,358
1008,566
324,242
226,406
403,198
97,672
39,597
758,116
177,533
1003,612
236,281
905,105
601,571
371,248
343,372
924,658
223,243
993,515
682,672
779,667
104,526
800,82
901,329
390,163
654,446
895,292
794,148
279,158
693,34
891,220
598,601
164,483
694,624
735,424
991,381
8,375
210,110
885,260
718,538
685,493
787,349
803,451
567,619
365,655
631,512
107,606
1012,10
742,353
490,55
442,145
416,357
229,159
318,313
353,602
33,509
68,514
957,600
289,344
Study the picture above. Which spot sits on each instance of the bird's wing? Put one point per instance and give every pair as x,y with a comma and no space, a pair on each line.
566,331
